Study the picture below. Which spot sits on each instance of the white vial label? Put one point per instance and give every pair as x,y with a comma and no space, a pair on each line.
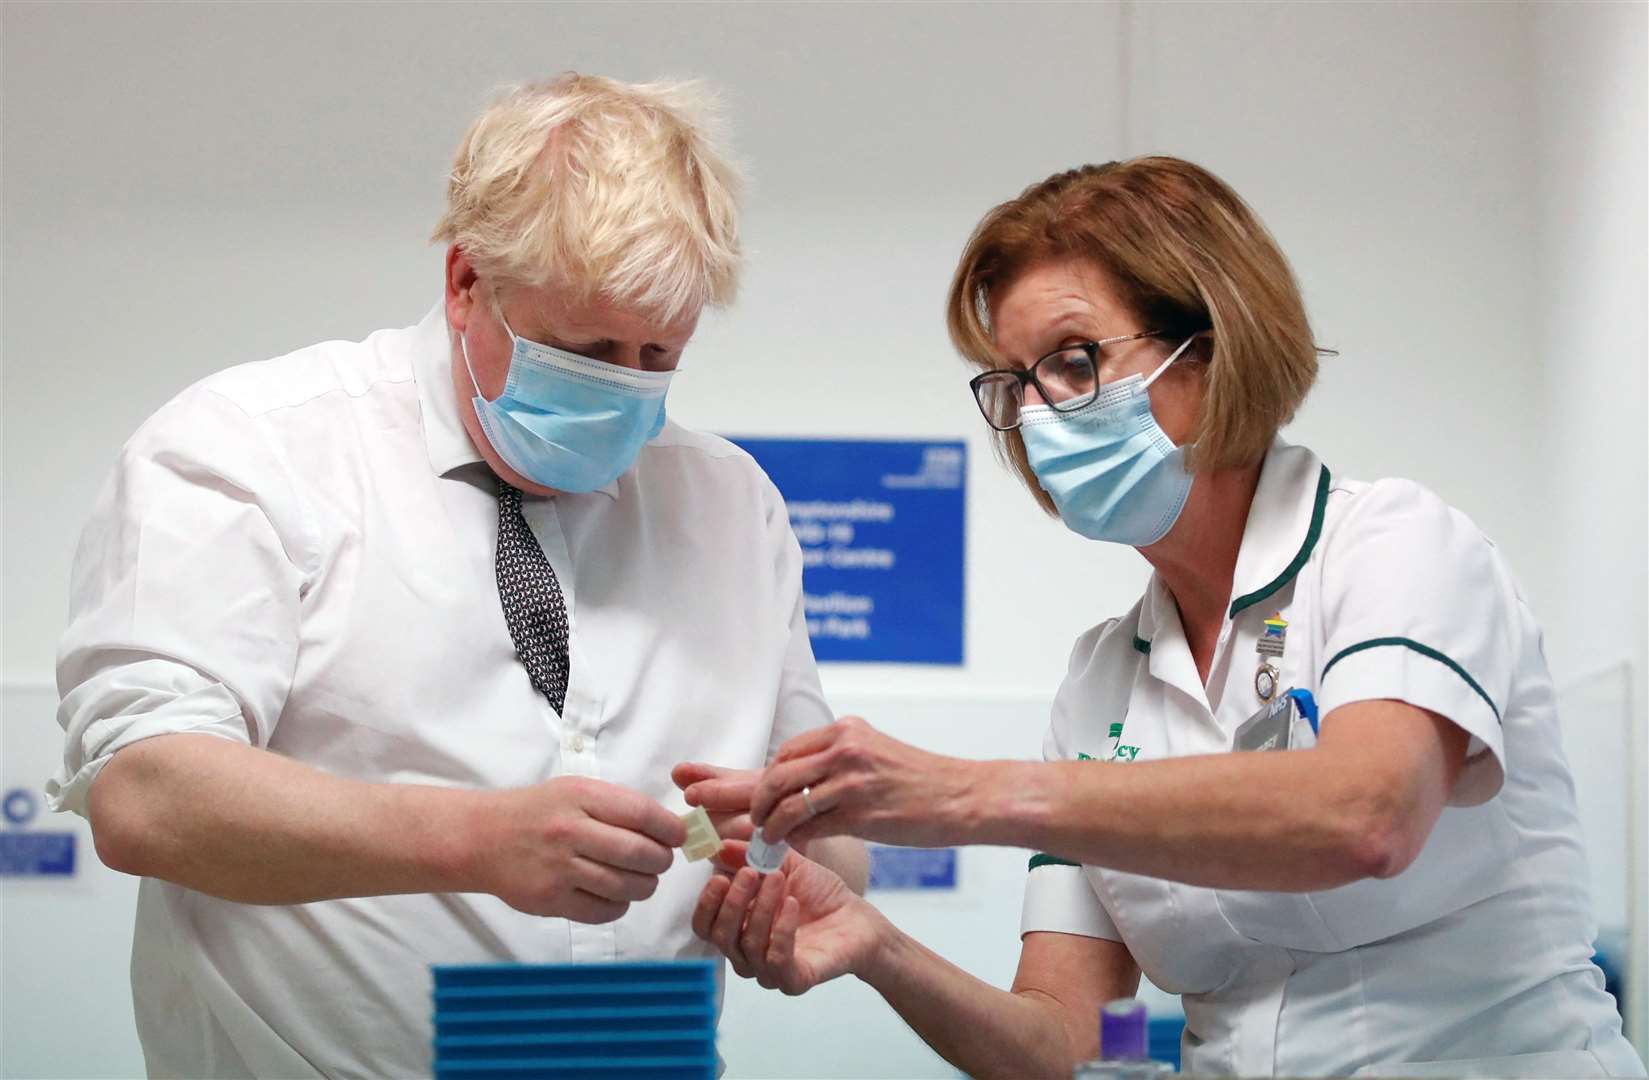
763,856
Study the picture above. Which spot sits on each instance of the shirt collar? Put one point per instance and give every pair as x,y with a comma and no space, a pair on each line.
1285,521
445,438
1159,616
1284,524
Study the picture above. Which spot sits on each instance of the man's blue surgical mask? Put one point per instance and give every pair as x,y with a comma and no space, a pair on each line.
566,421
1112,471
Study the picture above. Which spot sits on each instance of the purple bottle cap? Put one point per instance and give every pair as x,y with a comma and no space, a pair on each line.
1122,1030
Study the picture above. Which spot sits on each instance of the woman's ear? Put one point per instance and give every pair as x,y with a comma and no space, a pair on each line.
1202,347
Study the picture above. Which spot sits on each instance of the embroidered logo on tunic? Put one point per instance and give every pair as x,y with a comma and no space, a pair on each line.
1116,751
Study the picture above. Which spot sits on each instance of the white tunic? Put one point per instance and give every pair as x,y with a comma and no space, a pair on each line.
299,555
1482,947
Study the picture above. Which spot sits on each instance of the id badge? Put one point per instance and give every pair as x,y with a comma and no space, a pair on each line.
1272,728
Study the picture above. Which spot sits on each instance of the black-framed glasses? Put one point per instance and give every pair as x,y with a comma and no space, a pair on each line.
1067,379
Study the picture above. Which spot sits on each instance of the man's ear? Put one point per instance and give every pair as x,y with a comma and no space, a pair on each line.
462,289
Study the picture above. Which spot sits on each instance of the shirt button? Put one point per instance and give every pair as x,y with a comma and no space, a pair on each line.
576,743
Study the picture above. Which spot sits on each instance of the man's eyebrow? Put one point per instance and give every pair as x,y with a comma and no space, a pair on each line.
570,342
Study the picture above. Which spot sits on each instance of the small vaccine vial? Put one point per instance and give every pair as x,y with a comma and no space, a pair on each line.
702,839
764,857
1123,1045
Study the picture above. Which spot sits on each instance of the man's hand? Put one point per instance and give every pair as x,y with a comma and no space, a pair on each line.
790,930
574,847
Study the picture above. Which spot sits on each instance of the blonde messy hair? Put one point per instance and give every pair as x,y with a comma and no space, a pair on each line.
607,189
1189,256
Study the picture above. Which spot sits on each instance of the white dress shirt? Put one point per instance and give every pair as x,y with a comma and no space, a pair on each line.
1482,948
298,555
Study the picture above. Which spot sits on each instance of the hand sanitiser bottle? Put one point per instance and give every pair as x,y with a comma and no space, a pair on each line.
1122,1045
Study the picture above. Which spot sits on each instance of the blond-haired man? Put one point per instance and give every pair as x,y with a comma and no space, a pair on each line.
381,652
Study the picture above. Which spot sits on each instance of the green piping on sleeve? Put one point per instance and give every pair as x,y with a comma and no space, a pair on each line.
1312,535
1423,650
1049,860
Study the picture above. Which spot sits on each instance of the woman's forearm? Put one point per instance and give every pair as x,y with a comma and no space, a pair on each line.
984,1031
1359,804
1218,821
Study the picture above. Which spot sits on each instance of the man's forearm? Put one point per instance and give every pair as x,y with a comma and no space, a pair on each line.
252,826
982,1030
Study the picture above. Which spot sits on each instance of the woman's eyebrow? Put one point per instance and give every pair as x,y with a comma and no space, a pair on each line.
1073,323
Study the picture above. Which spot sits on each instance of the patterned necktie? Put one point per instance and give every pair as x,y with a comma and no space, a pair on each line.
533,607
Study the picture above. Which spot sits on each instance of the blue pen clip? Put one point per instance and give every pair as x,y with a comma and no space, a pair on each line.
1307,706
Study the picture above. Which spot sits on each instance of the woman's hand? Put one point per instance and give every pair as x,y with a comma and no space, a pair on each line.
789,930
725,795
848,778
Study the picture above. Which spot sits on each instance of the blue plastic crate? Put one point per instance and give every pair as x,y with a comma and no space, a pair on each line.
651,1020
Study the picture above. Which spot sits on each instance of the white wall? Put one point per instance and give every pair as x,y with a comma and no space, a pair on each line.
1589,62
65,944
190,186
196,185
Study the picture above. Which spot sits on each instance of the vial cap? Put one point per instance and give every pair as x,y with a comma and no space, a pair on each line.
1122,1030
765,857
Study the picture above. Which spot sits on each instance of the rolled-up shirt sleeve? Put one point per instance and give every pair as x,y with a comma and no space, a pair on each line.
185,592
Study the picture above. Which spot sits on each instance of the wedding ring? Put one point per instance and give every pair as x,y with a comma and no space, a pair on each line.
807,798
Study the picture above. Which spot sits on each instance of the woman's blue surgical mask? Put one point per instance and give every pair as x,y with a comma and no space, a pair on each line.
1112,471
566,421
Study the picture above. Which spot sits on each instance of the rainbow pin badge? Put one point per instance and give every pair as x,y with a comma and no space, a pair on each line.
1271,644
1275,637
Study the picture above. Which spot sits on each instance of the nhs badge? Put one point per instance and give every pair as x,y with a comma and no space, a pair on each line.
1269,729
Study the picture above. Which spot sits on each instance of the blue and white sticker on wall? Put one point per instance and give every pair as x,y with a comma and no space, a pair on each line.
28,853
904,868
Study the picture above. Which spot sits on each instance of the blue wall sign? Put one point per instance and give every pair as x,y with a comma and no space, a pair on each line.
31,854
36,854
912,868
881,524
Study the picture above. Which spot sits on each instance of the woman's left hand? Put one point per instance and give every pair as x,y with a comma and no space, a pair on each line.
789,930
850,779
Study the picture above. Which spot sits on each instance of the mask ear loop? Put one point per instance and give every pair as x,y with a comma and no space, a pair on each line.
1175,355
463,347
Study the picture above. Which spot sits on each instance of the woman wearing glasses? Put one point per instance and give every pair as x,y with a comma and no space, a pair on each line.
1311,781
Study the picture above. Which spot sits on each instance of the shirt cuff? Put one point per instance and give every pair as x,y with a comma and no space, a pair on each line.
1059,899
1409,671
70,790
